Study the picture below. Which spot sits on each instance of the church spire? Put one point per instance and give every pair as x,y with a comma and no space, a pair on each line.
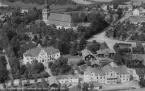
46,4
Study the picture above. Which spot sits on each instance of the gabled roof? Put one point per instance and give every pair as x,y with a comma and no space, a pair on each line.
107,68
53,80
141,9
86,52
35,51
59,19
104,51
66,77
137,18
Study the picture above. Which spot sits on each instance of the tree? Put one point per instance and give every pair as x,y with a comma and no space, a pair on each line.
3,70
74,49
60,66
119,12
82,44
94,47
142,82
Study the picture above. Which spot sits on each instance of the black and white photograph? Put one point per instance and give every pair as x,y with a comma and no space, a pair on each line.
72,45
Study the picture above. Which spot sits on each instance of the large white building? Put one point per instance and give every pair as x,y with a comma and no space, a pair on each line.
107,75
41,54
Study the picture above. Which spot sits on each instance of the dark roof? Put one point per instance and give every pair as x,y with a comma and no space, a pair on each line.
107,68
104,51
35,51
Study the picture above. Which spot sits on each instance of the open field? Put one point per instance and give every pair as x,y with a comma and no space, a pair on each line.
23,5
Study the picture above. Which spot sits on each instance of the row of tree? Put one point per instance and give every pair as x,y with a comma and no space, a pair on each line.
40,2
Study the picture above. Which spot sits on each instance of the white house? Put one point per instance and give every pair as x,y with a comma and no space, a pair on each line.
138,11
41,54
107,75
104,7
24,11
64,79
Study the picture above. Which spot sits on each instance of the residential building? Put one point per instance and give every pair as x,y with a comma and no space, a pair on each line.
53,83
136,19
107,75
65,79
129,7
87,54
105,53
41,54
24,11
104,7
60,20
138,11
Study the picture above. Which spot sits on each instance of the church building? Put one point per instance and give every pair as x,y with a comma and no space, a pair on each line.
60,20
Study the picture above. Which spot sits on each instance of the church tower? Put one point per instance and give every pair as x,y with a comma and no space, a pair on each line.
45,12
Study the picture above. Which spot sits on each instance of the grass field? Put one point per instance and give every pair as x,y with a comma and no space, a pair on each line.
23,5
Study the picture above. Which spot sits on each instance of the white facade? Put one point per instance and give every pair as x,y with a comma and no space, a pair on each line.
110,77
69,79
136,12
24,11
42,57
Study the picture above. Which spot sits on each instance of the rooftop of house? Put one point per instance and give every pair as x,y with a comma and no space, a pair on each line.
124,6
107,68
86,52
53,80
103,45
140,9
104,51
67,77
101,60
34,52
59,19
137,18
135,57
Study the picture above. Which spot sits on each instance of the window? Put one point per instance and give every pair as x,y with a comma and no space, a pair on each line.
100,77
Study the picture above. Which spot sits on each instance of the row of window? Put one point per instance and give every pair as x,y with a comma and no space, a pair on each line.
112,74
